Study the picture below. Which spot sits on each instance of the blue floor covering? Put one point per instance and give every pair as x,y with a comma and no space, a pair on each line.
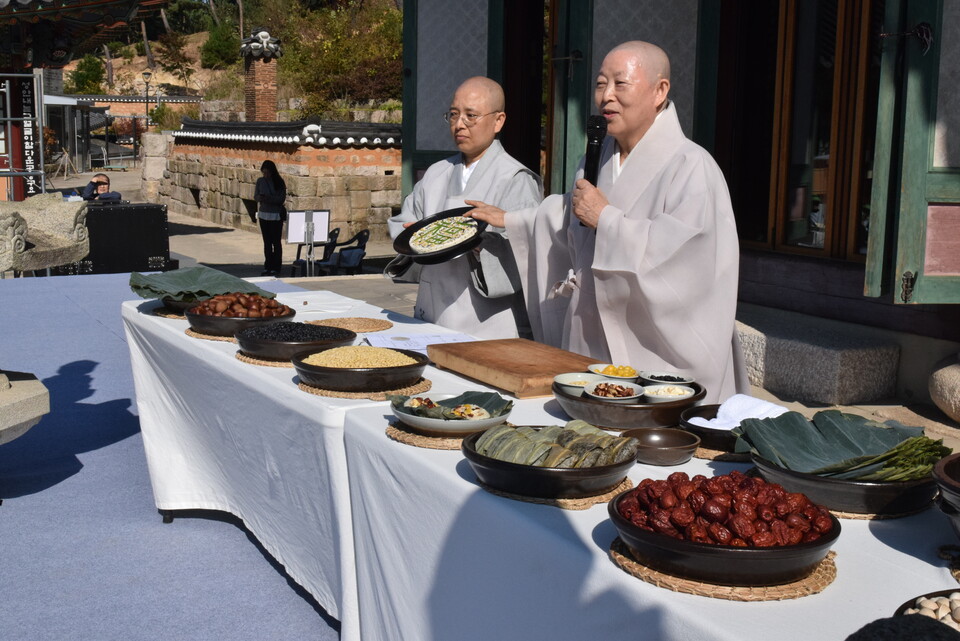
84,554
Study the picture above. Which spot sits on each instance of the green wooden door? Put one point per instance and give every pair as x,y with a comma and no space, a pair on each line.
572,84
915,230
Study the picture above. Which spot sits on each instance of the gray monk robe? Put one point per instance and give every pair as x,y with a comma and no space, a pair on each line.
478,295
655,286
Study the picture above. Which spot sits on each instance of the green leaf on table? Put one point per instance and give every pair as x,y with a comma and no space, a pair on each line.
191,283
841,445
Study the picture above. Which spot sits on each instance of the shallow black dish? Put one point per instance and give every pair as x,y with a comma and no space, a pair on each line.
226,326
543,482
361,379
721,564
401,244
721,440
624,415
892,498
285,350
664,445
946,475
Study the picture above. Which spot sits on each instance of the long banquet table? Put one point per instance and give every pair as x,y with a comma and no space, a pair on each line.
400,542
220,434
440,558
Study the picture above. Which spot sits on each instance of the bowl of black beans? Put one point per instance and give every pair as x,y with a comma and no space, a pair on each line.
280,341
663,378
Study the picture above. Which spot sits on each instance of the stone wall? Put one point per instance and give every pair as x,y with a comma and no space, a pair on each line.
360,186
222,111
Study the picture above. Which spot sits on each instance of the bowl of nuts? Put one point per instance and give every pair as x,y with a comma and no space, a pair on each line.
227,314
613,391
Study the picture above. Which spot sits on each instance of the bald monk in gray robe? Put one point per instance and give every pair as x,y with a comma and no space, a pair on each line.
649,278
477,293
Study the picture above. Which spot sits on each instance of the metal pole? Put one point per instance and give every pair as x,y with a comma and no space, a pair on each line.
135,155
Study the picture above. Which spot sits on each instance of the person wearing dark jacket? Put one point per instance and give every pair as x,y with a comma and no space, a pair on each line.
99,189
270,193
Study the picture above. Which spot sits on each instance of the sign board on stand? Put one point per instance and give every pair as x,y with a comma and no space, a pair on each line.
306,227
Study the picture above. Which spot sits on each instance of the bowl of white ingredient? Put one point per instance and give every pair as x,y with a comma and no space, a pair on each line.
665,393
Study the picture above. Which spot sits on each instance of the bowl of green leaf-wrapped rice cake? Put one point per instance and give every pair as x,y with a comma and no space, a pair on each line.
574,461
845,462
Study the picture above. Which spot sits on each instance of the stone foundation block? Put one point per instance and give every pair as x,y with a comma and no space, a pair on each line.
813,359
944,387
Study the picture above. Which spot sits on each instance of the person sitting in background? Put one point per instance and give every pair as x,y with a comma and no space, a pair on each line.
99,189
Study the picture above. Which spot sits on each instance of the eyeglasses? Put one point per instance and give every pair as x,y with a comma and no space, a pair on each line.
453,116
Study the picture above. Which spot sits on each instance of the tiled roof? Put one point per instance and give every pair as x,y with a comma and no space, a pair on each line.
324,133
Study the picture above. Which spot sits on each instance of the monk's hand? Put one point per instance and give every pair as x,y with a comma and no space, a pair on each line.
588,202
487,213
405,225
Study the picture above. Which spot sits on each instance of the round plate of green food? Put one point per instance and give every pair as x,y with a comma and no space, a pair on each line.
440,237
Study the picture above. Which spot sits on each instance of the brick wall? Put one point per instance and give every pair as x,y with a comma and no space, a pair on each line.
260,89
360,186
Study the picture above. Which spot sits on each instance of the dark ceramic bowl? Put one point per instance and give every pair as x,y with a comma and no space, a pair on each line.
721,440
361,379
664,445
286,350
226,326
946,475
543,482
721,564
180,306
893,498
912,603
624,415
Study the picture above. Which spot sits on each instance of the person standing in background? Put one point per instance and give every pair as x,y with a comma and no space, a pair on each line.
270,193
477,293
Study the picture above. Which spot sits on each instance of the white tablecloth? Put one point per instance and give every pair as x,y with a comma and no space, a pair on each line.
407,546
440,558
220,434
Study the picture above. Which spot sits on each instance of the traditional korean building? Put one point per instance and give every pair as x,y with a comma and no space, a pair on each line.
836,123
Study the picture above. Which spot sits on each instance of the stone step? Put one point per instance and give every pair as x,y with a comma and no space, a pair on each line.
816,359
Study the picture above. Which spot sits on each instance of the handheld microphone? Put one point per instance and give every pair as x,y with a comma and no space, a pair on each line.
596,131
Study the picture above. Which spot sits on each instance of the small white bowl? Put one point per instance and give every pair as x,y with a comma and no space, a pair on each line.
651,394
597,368
590,390
655,378
568,382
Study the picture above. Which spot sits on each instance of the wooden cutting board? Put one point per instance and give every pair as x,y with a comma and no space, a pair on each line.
517,365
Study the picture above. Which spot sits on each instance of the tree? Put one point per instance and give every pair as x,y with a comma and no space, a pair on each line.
87,78
352,53
221,49
172,56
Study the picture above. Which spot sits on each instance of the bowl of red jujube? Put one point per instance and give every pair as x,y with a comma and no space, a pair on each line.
727,530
